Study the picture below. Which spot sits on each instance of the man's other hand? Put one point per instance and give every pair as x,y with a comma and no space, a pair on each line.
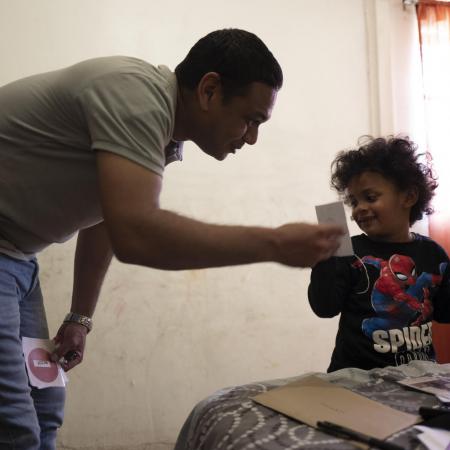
70,341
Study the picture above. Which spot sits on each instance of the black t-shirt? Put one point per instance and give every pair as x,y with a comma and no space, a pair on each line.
387,295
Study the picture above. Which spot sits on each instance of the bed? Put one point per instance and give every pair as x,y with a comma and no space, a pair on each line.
229,419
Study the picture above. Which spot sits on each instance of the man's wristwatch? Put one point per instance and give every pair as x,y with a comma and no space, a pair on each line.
78,318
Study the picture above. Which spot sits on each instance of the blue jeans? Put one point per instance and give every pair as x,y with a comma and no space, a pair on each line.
29,417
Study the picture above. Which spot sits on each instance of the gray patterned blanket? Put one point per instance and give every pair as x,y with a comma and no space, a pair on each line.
230,420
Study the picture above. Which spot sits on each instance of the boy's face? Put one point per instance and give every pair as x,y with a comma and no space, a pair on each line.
379,208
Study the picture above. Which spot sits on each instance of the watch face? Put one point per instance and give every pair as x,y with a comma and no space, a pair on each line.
86,322
42,366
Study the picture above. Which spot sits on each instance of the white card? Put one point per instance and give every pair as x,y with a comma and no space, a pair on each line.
335,213
433,438
42,371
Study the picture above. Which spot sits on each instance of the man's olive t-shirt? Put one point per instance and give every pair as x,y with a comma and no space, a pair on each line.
51,124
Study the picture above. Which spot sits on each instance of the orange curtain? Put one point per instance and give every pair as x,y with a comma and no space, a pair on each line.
434,30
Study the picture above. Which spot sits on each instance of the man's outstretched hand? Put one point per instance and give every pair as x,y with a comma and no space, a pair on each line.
304,245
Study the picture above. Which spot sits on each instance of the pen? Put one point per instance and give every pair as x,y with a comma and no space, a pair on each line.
343,432
69,356
427,412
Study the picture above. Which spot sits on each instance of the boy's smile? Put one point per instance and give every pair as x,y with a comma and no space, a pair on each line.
379,208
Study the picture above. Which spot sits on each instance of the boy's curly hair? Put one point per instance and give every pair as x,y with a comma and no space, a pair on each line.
396,159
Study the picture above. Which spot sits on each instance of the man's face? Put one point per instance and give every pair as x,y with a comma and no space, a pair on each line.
231,124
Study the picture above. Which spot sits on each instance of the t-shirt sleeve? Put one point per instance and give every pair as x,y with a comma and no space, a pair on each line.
128,115
441,302
330,286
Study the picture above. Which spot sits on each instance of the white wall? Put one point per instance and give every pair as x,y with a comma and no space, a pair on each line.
163,341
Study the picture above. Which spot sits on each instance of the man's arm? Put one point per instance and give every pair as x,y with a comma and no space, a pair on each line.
92,258
142,233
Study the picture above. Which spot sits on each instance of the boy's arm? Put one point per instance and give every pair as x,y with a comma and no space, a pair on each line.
441,301
330,285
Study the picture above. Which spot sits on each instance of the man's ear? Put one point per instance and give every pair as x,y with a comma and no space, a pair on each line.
209,90
411,197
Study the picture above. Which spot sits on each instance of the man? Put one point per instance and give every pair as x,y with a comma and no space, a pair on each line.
83,149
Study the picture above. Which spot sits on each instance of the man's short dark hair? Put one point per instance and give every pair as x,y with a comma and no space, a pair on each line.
238,56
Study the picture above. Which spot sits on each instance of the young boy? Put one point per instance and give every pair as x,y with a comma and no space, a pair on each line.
396,282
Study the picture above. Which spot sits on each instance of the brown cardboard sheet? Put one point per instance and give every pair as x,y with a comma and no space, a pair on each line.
312,399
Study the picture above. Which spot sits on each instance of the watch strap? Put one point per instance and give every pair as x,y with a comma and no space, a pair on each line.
79,318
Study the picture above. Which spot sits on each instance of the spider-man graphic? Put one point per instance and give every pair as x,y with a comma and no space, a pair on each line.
399,297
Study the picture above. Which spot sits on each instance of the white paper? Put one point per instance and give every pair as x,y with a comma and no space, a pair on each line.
434,438
439,385
42,371
334,213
